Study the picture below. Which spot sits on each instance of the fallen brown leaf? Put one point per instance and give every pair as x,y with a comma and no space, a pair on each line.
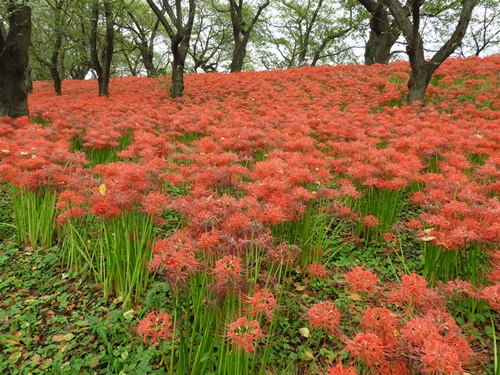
60,338
36,359
94,363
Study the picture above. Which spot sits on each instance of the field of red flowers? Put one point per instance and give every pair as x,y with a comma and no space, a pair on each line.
244,195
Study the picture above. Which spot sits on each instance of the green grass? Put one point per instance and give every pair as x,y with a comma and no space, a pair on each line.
55,321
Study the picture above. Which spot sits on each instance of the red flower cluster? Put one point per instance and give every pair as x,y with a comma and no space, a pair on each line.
412,290
318,270
370,348
175,258
244,334
361,280
154,327
435,343
381,322
325,315
228,275
261,302
339,369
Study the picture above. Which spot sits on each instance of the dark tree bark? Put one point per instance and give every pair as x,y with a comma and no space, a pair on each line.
383,33
241,31
14,44
179,35
29,81
101,62
53,65
422,70
54,71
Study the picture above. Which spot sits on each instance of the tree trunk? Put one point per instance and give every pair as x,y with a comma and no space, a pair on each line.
150,67
239,54
55,59
180,47
29,80
13,87
417,85
146,44
238,23
54,64
148,56
378,48
14,62
147,59
179,39
422,70
56,77
383,34
108,49
177,79
102,64
94,55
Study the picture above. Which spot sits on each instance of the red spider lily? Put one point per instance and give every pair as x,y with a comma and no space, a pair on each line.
244,334
154,327
324,315
414,224
72,212
346,212
439,358
459,288
317,270
411,288
361,280
175,258
435,326
457,209
109,208
209,241
146,145
271,215
491,295
231,231
125,187
227,275
154,203
290,133
494,275
380,321
390,238
339,369
399,367
370,221
34,157
370,348
284,254
236,223
261,302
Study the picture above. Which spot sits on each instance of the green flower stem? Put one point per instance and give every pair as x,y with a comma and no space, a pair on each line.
34,212
496,356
